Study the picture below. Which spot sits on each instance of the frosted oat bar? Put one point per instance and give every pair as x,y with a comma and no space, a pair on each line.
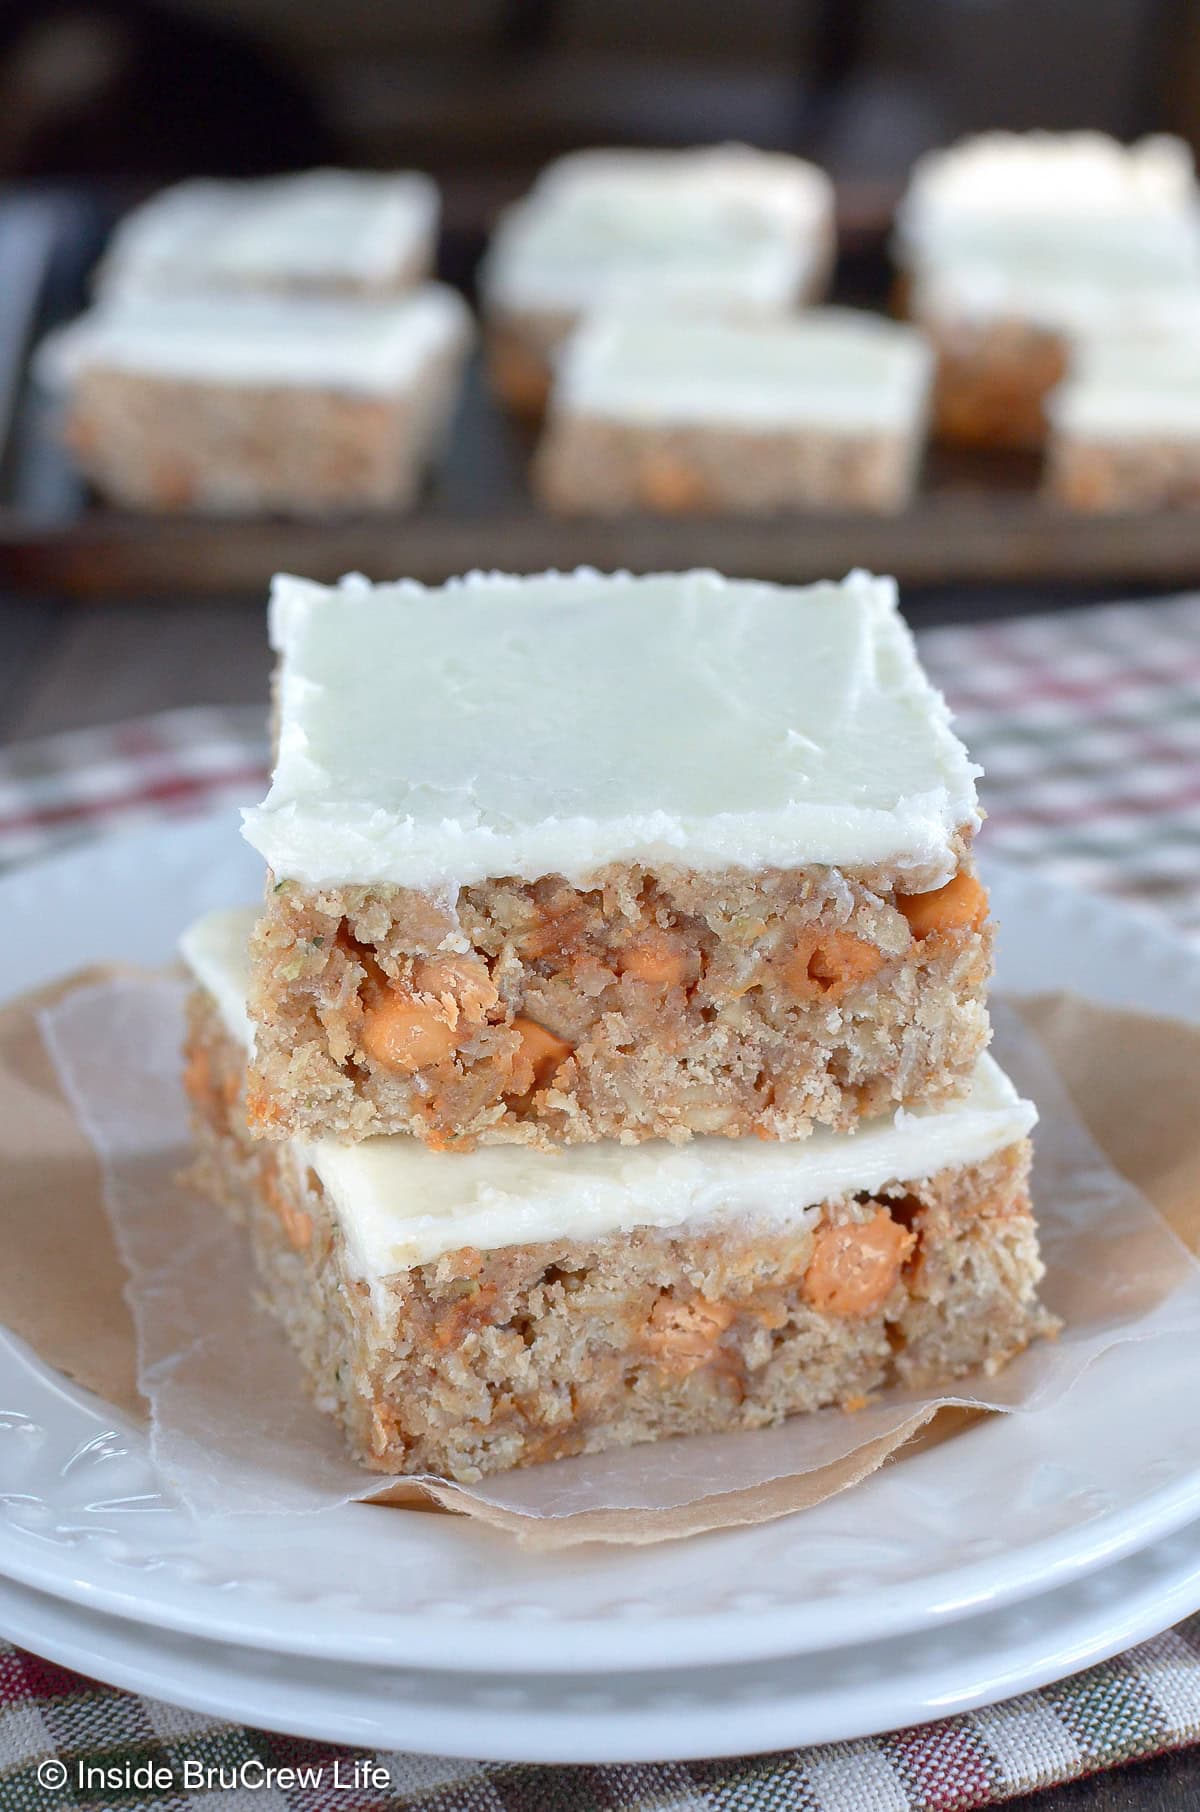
724,229
464,1315
583,857
337,233
824,409
220,403
1125,424
1016,245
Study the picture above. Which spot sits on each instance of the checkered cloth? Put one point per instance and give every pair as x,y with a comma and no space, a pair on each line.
1088,724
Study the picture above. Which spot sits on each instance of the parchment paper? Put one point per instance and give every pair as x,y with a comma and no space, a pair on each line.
91,1117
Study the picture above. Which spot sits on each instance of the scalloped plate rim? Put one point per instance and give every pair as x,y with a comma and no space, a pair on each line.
733,1710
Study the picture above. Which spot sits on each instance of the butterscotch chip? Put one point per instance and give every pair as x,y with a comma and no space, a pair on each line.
407,1034
539,1055
659,959
296,1224
855,1267
684,1335
829,965
265,1113
197,1076
670,485
960,905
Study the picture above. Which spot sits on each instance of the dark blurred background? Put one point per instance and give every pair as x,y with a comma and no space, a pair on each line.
481,92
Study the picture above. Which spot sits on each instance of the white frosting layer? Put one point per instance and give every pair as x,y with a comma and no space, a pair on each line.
722,226
371,347
829,368
1007,192
550,725
1071,232
325,227
400,1204
1126,387
1064,290
737,178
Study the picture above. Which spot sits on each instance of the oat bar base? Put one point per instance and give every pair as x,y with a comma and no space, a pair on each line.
1111,476
519,351
589,466
152,443
991,383
650,1005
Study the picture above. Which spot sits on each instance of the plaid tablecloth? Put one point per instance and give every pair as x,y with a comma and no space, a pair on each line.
1088,724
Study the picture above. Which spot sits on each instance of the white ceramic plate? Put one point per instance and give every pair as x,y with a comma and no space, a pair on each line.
1016,1505
669,1715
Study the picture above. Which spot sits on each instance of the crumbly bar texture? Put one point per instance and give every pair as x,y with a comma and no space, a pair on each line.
992,381
648,1005
481,1361
590,466
155,443
1111,476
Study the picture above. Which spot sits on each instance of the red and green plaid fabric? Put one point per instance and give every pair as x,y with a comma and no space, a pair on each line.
1088,726
1088,723
57,1722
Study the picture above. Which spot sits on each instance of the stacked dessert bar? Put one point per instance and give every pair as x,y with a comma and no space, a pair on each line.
1015,247
267,345
607,1061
